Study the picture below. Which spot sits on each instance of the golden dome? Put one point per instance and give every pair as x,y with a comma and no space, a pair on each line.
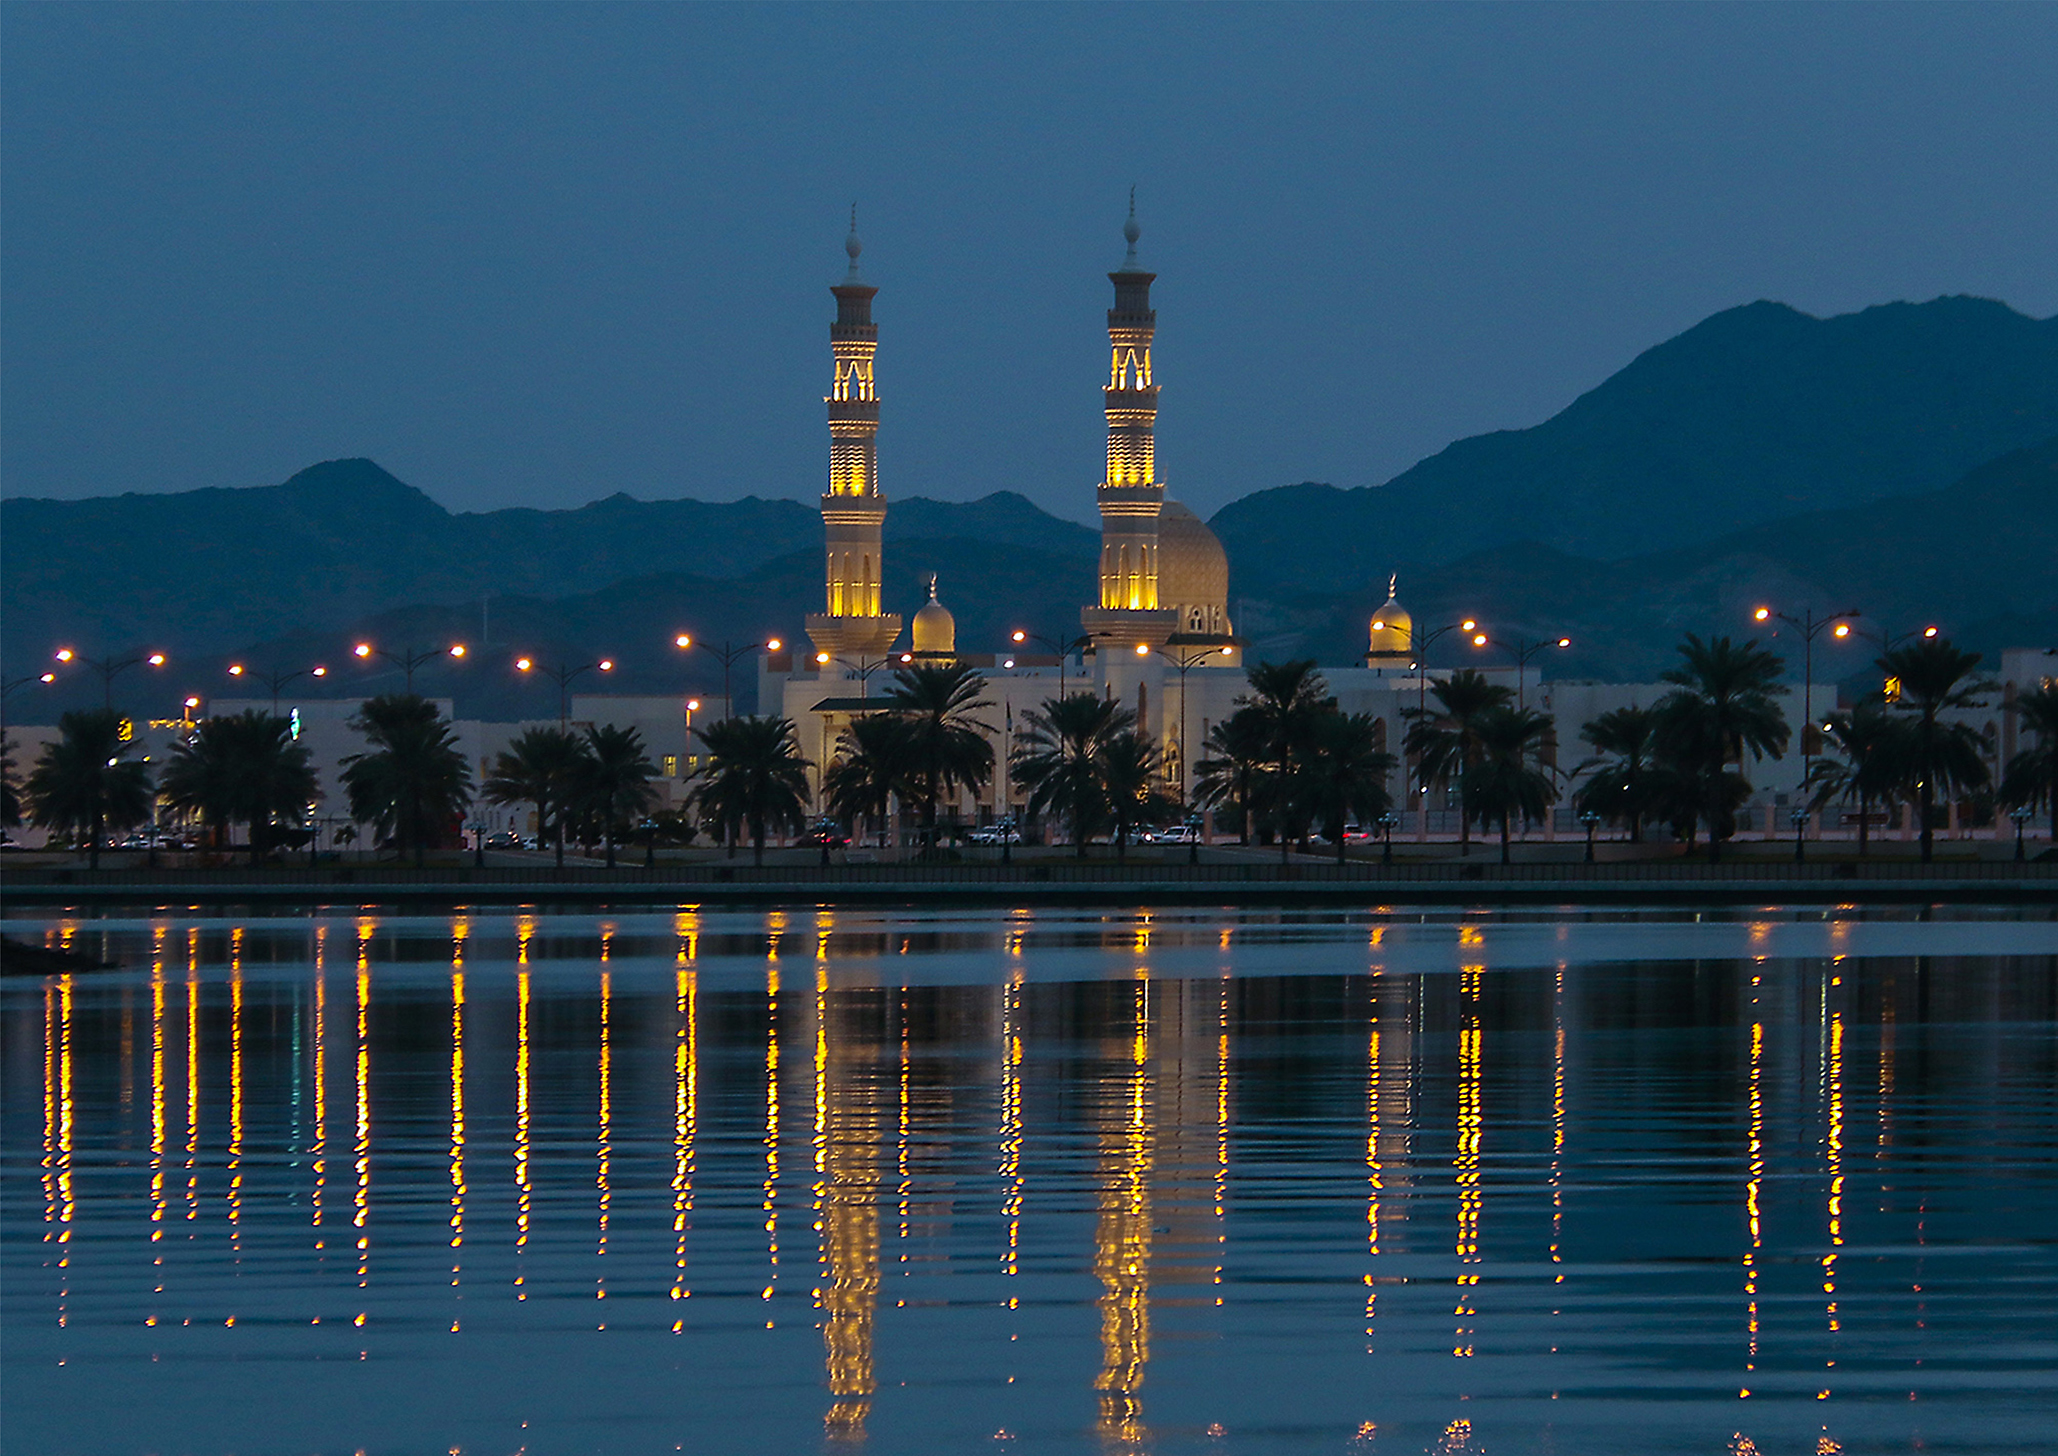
935,629
1393,630
1193,572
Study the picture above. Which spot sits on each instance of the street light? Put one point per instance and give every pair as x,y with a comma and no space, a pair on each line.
276,679
1592,821
564,676
1800,822
1063,646
1388,822
408,659
1185,659
1810,627
1420,645
864,667
728,652
108,668
1524,649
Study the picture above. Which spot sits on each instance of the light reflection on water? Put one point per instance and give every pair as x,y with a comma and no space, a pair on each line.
1053,1181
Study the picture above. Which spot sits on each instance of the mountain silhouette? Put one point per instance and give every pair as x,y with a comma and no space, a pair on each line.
1756,413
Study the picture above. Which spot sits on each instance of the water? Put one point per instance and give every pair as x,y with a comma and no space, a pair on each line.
1062,1181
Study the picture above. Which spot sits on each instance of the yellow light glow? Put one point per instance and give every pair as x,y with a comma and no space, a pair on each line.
1929,631
64,654
319,672
1019,636
821,657
1143,649
1378,625
907,657
1843,629
682,640
49,677
1479,639
693,705
1467,625
522,664
155,659
457,649
363,649
192,702
1762,614
607,664
774,645
1564,641
235,669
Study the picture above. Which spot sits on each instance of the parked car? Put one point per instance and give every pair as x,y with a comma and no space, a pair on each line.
994,834
825,833
1173,834
505,839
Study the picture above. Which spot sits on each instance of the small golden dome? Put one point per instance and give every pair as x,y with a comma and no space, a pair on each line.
935,629
1393,630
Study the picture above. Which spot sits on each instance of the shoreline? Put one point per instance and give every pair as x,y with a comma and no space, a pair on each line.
1673,882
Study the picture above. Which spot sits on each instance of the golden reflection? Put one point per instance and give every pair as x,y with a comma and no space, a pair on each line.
236,1090
1122,1243
1558,1123
320,1150
1011,1126
686,925
157,1118
525,1187
847,1223
1836,1178
193,1076
1221,1125
905,1123
525,931
50,1113
685,1121
771,1187
1373,1177
1754,1188
606,1151
362,1148
67,1201
1470,1122
457,1185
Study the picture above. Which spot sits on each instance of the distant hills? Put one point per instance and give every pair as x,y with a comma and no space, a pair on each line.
1900,460
1756,413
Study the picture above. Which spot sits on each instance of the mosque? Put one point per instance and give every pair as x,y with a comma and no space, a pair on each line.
1159,636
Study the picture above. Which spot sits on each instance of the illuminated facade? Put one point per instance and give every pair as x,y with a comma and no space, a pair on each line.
853,510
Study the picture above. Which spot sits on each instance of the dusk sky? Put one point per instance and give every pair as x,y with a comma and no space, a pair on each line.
534,256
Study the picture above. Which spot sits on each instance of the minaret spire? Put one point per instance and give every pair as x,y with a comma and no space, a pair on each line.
853,509
1131,496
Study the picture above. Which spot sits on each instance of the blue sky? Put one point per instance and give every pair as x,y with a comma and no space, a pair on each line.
536,255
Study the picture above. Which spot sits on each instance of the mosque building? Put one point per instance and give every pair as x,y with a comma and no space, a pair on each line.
1157,637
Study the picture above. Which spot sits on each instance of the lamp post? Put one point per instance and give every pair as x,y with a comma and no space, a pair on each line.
864,667
1388,822
277,680
7,690
729,652
1420,645
1592,821
478,828
1800,822
1810,627
1524,650
109,668
408,659
1185,659
564,676
1062,646
2021,815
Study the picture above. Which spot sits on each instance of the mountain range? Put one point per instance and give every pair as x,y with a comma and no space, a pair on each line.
1899,459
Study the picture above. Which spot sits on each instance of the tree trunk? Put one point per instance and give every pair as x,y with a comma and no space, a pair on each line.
1504,838
1928,802
1341,858
93,845
757,845
610,849
1864,822
559,835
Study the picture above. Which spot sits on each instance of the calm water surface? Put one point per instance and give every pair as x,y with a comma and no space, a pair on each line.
1063,1181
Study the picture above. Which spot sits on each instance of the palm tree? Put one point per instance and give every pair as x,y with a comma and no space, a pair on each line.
1723,706
1061,759
1233,762
85,782
1505,781
541,766
1873,749
1346,776
870,771
946,747
242,769
1289,699
1622,788
1936,677
1446,742
613,780
413,781
1132,772
755,779
2032,774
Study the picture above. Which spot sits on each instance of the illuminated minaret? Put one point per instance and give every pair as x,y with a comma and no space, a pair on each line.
1131,496
853,510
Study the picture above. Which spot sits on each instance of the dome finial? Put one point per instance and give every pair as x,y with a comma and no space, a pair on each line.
1131,231
853,245
1393,586
932,586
